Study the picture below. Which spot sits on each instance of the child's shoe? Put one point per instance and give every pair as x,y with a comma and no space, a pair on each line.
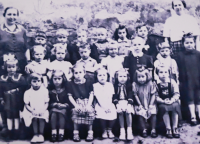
40,138
129,134
15,134
34,139
105,134
110,134
153,133
193,121
90,136
122,134
176,133
144,133
169,133
61,138
53,137
76,137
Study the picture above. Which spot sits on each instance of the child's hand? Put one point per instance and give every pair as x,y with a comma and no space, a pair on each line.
168,101
119,110
129,108
146,47
140,107
78,108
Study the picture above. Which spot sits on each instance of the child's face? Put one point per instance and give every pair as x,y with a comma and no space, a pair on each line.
189,43
40,40
113,51
142,78
36,83
39,55
11,68
57,80
102,76
122,33
138,45
62,39
163,74
165,52
60,54
102,34
84,53
122,77
143,32
79,73
82,37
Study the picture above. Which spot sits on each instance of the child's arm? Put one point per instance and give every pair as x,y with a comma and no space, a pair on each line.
134,89
157,98
175,91
28,55
91,98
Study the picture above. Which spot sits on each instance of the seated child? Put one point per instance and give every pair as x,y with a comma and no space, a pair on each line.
38,65
144,91
74,47
137,59
35,112
59,103
59,63
167,97
112,62
164,59
81,96
105,109
150,45
89,63
123,100
12,86
122,36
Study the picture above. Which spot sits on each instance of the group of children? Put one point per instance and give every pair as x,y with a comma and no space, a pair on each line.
107,80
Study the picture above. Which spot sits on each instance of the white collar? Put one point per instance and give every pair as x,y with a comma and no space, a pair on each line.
89,59
120,40
4,28
137,54
159,81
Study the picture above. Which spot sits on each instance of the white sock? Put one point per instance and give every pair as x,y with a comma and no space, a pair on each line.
54,131
129,129
90,132
76,132
122,129
61,131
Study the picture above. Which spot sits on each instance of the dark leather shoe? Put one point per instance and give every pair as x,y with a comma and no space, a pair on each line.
60,137
169,133
144,133
154,134
176,133
53,137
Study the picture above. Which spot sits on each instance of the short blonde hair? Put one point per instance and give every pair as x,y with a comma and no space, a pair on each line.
62,31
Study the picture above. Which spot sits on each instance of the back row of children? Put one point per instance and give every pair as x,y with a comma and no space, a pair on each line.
103,82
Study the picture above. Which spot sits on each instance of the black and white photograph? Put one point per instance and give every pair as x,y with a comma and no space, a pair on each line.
100,71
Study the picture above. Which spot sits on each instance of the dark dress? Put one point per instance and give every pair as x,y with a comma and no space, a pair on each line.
133,63
11,92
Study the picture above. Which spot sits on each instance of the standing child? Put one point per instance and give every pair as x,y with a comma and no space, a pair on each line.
39,65
58,105
144,91
167,97
112,62
137,59
11,92
81,96
36,101
105,109
123,99
122,36
59,64
189,72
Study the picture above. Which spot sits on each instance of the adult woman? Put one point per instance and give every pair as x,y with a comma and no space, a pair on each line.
179,24
13,37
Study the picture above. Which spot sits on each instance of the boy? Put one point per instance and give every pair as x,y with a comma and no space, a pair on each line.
150,46
137,59
112,62
89,63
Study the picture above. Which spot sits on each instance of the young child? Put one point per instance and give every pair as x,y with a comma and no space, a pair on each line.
39,65
144,91
167,97
36,101
105,109
189,72
81,96
74,47
150,46
164,59
102,44
122,36
112,62
12,87
58,104
59,64
123,99
89,63
137,59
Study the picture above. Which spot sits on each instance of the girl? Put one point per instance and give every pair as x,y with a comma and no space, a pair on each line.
105,109
144,91
58,105
189,72
81,95
122,36
167,97
36,101
59,64
123,99
11,92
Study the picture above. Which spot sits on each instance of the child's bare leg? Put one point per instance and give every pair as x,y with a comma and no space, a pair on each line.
35,126
198,108
166,120
75,126
16,123
174,119
192,110
10,124
121,120
90,127
129,119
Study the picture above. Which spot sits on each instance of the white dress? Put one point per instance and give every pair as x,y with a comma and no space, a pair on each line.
36,100
104,94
